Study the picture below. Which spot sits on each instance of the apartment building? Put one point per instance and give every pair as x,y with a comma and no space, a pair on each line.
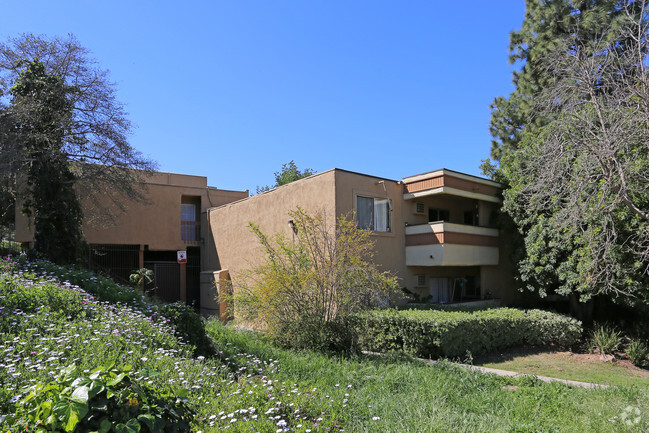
150,234
435,231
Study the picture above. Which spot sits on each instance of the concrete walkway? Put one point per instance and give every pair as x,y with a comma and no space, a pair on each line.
511,373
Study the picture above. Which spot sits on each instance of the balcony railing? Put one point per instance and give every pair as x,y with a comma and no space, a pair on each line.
190,231
449,244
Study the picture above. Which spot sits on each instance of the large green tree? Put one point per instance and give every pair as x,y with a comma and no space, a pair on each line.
578,171
548,24
50,197
59,109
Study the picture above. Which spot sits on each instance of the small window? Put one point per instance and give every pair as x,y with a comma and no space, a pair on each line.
435,215
374,214
421,280
188,212
420,208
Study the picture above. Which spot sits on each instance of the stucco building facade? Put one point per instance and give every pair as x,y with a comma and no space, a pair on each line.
435,231
149,234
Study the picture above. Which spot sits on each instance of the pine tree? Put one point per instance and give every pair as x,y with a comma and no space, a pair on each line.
547,25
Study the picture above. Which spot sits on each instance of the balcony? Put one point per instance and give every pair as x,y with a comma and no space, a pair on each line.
448,244
190,232
450,183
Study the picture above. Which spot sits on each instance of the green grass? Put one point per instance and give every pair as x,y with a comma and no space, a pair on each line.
409,396
253,386
562,365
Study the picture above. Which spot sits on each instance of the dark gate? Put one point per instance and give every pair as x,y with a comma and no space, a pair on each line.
116,261
166,277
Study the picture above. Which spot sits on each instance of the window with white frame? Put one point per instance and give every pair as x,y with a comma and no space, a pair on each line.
373,214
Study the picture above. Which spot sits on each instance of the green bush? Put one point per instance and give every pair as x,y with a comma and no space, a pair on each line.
606,339
331,336
437,333
105,400
638,353
61,298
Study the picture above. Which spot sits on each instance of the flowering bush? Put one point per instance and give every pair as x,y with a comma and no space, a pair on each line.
309,283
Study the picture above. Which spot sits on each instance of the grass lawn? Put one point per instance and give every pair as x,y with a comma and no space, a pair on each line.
399,394
567,365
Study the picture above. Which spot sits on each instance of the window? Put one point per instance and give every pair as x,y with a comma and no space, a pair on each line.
374,214
189,226
470,217
435,215
188,212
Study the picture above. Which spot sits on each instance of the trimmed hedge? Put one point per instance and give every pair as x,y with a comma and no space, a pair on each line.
438,333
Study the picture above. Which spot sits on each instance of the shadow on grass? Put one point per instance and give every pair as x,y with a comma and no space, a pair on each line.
510,354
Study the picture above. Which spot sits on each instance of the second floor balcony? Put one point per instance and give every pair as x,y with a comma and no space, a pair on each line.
449,244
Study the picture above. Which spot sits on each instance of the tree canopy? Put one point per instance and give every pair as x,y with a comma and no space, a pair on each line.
289,173
60,120
578,168
548,26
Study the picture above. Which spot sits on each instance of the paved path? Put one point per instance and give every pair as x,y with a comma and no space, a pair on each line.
512,373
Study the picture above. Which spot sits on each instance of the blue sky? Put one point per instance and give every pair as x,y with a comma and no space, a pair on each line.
233,90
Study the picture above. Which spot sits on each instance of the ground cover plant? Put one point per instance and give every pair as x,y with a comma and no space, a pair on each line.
453,332
48,325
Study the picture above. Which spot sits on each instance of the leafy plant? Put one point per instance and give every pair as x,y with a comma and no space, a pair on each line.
310,282
140,277
189,326
606,339
638,353
108,399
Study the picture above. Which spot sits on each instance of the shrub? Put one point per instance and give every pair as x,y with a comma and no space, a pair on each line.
105,400
310,282
436,333
606,339
638,353
62,298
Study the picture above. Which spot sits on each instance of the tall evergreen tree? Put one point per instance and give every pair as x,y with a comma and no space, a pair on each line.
51,198
573,149
547,25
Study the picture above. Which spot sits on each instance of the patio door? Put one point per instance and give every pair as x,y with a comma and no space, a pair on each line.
439,290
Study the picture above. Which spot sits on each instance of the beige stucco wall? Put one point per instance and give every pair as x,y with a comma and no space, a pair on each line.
156,223
230,244
389,247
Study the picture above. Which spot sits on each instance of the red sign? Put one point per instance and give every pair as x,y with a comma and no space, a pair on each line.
182,256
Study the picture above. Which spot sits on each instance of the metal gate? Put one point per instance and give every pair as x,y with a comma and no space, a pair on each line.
166,280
